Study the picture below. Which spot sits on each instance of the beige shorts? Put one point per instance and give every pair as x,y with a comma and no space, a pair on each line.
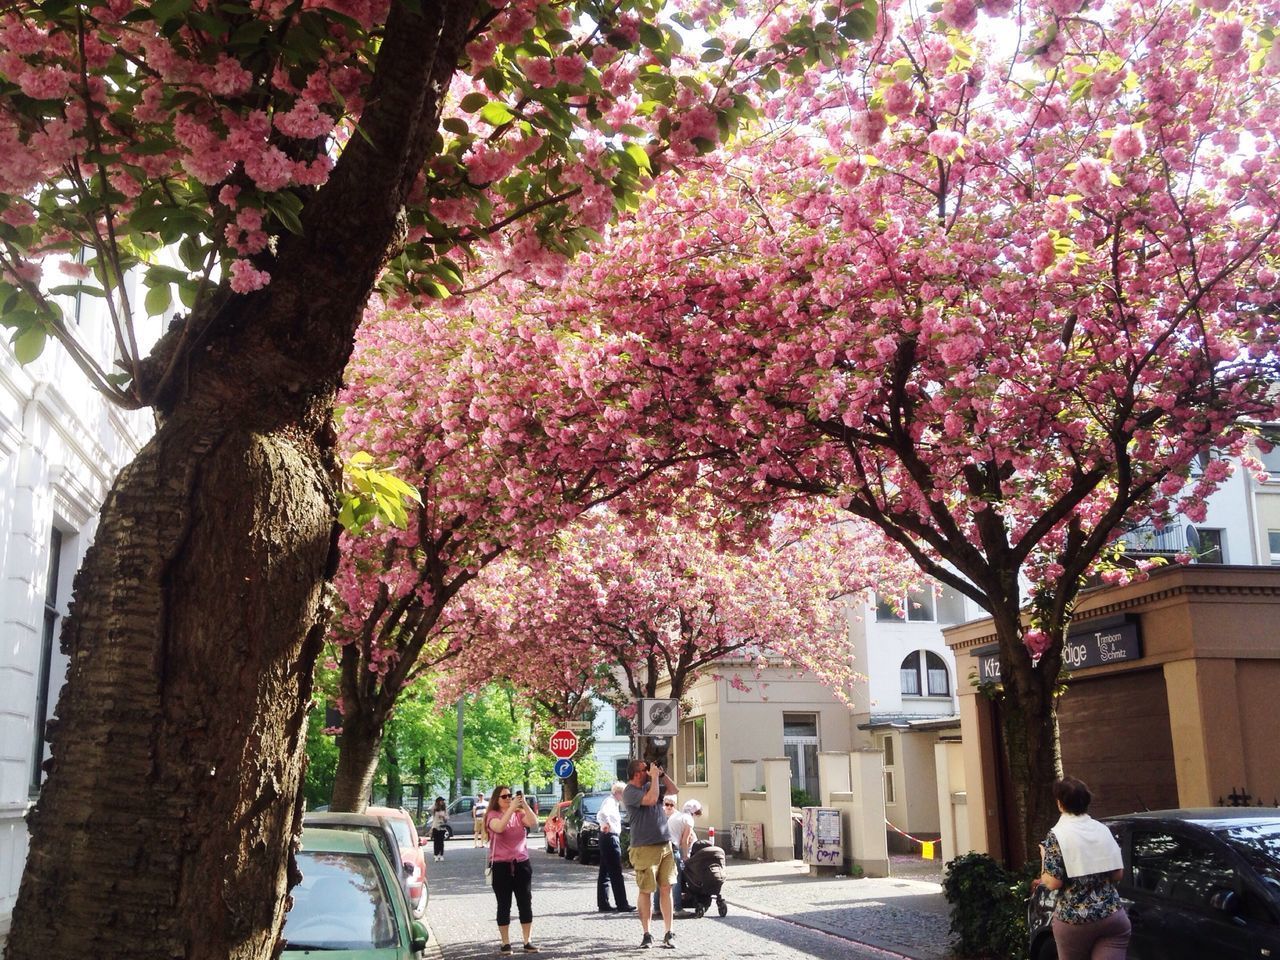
655,866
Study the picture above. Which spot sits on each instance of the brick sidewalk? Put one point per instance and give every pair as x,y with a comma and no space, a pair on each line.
776,911
904,916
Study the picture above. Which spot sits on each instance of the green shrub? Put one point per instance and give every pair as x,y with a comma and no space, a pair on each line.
988,907
801,797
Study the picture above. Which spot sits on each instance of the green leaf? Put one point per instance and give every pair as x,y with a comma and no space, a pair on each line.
496,113
158,300
473,102
457,126
29,344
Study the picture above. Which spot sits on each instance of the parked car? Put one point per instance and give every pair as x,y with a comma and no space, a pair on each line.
350,899
462,821
553,827
581,829
410,852
379,827
1197,884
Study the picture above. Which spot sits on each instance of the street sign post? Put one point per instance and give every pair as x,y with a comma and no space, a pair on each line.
564,744
563,769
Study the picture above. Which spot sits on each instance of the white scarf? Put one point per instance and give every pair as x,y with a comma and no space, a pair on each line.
1087,845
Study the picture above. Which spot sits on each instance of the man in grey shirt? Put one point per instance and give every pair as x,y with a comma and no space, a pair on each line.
650,844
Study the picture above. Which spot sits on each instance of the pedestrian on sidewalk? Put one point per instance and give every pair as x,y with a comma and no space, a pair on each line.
477,814
439,821
508,821
610,874
676,828
1081,859
650,845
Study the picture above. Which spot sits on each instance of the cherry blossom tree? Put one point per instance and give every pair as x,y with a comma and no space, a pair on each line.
992,299
628,602
490,418
267,165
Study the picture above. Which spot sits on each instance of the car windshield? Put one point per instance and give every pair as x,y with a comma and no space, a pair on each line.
1260,844
401,829
341,904
591,805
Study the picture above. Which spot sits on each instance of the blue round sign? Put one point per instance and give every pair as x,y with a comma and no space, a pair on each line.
562,769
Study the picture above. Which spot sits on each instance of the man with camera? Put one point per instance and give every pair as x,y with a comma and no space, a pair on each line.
650,845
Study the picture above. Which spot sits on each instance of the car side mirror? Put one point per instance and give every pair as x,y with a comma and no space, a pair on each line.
418,936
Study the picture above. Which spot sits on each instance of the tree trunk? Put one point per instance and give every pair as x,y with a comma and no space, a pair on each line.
178,748
395,784
174,787
1029,720
358,753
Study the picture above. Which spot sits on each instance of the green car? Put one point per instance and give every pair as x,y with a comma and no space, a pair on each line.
350,902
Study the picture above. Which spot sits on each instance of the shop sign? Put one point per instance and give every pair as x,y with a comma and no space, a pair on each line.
1090,645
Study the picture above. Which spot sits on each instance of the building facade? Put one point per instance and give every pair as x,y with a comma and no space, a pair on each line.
61,446
1170,704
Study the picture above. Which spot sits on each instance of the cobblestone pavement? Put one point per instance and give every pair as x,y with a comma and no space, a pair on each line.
776,911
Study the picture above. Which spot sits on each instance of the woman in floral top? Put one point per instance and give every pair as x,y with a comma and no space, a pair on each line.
1081,859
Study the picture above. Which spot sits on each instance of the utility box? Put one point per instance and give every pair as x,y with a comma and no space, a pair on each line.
822,840
746,840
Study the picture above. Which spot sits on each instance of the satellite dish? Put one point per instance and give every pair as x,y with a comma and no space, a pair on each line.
1193,541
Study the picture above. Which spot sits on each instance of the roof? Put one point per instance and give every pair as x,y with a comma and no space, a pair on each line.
1211,818
320,840
320,818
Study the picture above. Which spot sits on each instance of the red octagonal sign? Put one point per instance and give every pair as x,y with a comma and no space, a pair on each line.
564,744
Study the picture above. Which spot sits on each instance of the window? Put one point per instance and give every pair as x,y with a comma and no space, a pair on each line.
1210,550
888,787
49,637
693,749
1273,542
800,745
1179,868
620,768
924,673
1271,459
917,607
621,726
887,746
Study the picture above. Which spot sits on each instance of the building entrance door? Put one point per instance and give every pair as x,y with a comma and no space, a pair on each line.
800,744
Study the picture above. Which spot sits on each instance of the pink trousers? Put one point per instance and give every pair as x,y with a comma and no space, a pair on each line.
1104,939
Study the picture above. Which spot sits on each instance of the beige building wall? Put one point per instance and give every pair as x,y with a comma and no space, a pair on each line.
744,722
1214,633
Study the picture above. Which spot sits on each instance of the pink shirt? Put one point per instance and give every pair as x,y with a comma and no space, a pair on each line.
510,843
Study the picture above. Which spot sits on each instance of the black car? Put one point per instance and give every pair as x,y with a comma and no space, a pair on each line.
1197,884
581,829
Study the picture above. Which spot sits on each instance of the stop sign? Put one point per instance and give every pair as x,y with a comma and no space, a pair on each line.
564,744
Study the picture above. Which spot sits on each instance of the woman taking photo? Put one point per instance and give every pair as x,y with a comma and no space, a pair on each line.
1081,859
509,820
439,821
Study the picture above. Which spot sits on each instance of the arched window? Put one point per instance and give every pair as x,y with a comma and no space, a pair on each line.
924,673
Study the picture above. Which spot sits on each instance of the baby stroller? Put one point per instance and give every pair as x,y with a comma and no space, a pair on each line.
703,878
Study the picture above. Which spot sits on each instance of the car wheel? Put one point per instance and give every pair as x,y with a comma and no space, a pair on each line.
448,832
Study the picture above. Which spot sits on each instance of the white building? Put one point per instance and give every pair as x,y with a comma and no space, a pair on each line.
61,446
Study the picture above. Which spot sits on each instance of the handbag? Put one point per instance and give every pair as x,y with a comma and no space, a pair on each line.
488,870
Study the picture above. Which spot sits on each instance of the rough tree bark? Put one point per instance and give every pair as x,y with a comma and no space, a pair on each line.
178,750
1029,724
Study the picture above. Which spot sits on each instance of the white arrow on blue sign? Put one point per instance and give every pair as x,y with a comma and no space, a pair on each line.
563,769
